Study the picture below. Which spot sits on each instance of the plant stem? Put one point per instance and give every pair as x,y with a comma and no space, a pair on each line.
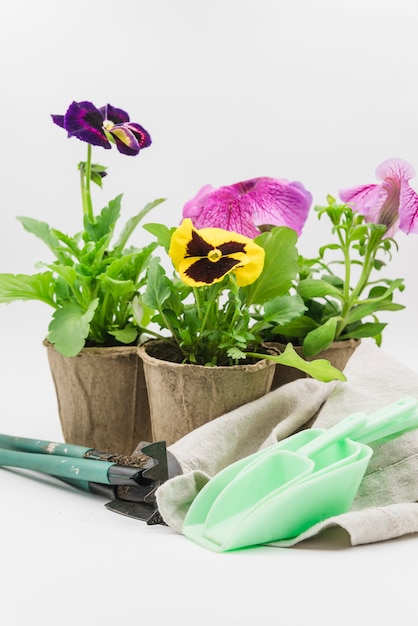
85,173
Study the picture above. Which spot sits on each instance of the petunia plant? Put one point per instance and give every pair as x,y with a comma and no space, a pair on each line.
204,308
93,281
341,288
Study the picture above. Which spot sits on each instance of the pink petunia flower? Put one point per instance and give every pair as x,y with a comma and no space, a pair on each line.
248,205
393,202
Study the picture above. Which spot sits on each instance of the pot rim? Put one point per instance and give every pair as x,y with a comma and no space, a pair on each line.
153,360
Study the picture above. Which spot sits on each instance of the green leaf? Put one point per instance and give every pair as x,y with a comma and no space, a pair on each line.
369,329
280,266
320,338
132,223
119,289
162,233
297,328
25,287
45,234
158,286
283,309
317,288
105,222
321,369
70,327
125,335
236,353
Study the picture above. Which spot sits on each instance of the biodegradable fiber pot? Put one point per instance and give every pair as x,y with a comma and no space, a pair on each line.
183,397
338,354
102,398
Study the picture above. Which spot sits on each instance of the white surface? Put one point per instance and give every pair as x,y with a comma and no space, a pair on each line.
320,92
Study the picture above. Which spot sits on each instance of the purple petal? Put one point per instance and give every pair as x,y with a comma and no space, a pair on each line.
280,203
392,202
408,209
245,205
128,140
117,116
366,199
397,169
59,120
192,208
84,121
142,136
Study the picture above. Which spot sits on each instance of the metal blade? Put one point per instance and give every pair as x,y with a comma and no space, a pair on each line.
137,510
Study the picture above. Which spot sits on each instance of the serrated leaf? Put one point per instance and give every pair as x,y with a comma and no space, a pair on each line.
119,289
105,222
125,335
321,369
158,288
133,222
70,327
43,231
27,287
236,354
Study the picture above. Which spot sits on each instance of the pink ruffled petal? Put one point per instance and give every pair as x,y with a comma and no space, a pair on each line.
280,203
193,207
366,199
397,169
245,205
408,209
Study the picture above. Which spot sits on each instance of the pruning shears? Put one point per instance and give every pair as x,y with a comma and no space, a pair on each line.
129,483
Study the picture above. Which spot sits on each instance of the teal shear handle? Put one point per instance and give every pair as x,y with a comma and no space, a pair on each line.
25,444
66,461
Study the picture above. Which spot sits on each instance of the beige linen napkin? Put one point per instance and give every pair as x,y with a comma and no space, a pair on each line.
385,503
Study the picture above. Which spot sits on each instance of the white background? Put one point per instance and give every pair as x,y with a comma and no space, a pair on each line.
320,92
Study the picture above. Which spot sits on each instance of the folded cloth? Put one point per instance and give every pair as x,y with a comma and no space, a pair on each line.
385,506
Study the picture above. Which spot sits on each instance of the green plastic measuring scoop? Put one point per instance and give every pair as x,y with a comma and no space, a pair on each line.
280,491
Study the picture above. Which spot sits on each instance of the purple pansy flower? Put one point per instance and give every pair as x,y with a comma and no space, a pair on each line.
250,204
84,121
393,202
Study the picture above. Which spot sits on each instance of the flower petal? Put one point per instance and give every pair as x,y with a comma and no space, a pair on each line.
84,121
395,168
392,202
130,138
190,251
117,116
366,199
408,209
244,206
59,120
202,272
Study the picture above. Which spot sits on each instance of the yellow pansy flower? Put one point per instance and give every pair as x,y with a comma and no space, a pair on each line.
203,257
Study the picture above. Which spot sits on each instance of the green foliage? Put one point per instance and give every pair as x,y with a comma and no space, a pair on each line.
92,283
339,289
222,323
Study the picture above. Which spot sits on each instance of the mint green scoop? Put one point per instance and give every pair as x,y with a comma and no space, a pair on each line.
281,491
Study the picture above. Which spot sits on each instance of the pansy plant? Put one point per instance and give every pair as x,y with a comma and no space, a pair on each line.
93,282
208,308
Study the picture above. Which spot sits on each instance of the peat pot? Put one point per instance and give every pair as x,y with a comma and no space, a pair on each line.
102,397
183,397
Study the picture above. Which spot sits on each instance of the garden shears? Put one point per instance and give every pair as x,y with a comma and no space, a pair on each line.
129,483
